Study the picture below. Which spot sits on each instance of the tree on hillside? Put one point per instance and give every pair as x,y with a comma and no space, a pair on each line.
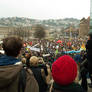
39,32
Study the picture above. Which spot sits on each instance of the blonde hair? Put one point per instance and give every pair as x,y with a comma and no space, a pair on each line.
23,60
34,61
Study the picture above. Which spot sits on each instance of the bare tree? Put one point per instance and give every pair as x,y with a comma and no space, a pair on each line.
39,32
20,31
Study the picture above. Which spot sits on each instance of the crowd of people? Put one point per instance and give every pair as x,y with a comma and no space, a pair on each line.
55,65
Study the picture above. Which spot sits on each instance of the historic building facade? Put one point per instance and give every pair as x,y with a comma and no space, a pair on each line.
84,27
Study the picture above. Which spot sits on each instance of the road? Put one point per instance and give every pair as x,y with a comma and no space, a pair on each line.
90,90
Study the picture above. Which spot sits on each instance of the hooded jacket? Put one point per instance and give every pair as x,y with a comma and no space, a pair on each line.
89,54
89,49
9,79
73,87
8,60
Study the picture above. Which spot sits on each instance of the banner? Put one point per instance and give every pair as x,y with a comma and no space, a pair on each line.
33,48
83,46
72,51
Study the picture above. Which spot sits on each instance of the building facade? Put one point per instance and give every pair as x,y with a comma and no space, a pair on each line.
84,27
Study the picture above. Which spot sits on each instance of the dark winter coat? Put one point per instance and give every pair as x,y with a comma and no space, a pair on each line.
89,53
40,79
68,88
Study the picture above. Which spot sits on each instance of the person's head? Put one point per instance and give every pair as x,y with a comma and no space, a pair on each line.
41,61
12,46
64,70
23,60
27,55
33,61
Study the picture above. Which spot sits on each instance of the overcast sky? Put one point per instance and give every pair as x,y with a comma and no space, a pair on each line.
45,9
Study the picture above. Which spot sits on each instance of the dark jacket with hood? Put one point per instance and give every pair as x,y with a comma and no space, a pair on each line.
89,53
67,88
89,47
38,76
9,76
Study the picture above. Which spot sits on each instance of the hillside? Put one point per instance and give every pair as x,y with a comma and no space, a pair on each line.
21,21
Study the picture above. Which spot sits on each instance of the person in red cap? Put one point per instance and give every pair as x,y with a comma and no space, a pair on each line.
64,73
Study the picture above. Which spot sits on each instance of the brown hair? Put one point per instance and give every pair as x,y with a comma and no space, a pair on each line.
12,46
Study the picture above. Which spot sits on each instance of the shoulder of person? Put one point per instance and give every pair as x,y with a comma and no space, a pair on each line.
31,83
78,87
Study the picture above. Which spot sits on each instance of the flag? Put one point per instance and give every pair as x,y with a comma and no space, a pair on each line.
59,41
83,46
56,52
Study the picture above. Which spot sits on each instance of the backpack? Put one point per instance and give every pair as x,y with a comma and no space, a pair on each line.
22,80
38,76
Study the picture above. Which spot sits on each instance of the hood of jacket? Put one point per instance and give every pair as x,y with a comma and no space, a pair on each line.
9,74
8,60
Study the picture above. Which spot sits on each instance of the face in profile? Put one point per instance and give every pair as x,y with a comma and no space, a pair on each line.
88,37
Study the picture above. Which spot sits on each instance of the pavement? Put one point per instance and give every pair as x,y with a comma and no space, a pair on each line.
89,89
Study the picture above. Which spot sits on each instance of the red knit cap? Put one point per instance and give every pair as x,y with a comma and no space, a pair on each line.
64,70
